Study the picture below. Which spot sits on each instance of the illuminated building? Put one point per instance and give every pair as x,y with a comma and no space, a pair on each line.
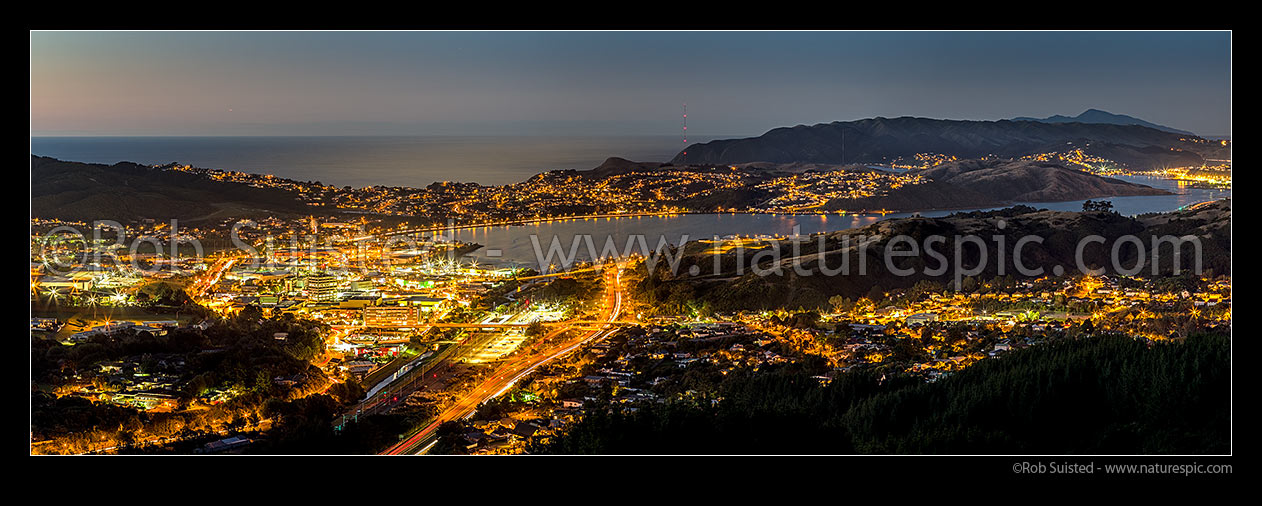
321,288
391,316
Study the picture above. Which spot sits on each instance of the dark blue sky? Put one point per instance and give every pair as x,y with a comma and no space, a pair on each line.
609,83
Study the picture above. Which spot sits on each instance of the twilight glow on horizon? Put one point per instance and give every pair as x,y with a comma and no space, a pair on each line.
609,83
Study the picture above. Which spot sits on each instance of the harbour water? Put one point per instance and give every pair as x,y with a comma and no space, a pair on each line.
532,244
419,161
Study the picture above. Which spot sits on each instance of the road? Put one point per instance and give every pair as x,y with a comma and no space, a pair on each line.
517,367
433,372
212,275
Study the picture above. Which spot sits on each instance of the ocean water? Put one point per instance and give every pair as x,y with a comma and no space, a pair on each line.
366,161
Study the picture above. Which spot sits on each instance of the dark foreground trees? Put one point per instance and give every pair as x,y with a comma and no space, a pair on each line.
1109,395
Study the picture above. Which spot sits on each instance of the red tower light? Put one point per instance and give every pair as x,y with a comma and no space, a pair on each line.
685,130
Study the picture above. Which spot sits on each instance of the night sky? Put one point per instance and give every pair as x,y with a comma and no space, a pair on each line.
609,83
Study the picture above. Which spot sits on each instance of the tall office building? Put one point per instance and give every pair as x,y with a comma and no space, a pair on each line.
321,288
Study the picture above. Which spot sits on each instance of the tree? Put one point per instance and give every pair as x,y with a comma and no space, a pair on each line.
843,331
535,330
840,304
347,392
923,288
449,435
876,293
699,309
1087,327
1102,206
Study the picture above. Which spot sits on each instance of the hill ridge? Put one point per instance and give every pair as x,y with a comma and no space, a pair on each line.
881,139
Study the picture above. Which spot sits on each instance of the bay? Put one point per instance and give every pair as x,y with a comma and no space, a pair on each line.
532,245
417,161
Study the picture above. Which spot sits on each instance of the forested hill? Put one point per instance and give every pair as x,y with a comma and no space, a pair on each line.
1098,395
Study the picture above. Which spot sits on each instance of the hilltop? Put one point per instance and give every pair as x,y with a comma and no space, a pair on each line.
879,140
1098,116
1033,181
128,191
989,183
615,165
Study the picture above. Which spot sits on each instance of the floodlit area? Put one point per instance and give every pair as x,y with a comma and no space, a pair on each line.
504,341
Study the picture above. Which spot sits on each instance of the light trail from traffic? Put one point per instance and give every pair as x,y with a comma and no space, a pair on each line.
512,371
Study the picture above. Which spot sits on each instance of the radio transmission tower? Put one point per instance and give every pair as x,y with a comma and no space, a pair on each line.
685,131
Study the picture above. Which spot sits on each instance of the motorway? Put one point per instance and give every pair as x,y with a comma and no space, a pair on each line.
513,369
